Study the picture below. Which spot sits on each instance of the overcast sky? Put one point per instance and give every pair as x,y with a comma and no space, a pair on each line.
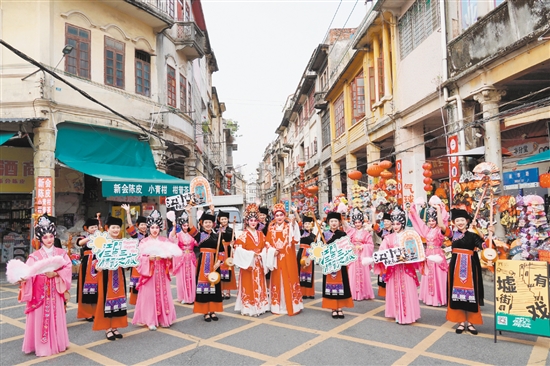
262,48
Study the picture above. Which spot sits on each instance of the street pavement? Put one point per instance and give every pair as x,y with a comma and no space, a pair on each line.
364,337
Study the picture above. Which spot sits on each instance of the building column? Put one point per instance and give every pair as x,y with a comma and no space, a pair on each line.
375,57
44,156
351,164
489,97
373,154
411,141
387,59
336,183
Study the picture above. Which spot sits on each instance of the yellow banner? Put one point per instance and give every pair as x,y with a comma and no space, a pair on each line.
16,170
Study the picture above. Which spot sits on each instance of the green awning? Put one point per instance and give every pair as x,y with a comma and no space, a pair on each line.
5,136
124,163
539,158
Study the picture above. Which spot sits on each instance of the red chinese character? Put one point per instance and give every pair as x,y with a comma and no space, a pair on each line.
10,168
28,169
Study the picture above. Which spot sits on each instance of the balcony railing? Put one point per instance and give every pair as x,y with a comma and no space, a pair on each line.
189,40
320,102
163,10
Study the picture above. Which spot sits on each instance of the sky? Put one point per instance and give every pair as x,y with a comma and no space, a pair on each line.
262,49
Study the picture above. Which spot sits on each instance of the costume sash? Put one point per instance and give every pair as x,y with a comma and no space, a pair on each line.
207,264
115,298
161,292
90,277
334,284
463,282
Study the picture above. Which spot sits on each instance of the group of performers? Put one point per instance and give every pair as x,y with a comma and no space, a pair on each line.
273,276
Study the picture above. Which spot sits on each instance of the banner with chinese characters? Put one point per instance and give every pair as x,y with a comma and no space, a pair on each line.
522,297
16,170
454,164
331,257
109,189
409,250
43,200
180,201
399,180
114,253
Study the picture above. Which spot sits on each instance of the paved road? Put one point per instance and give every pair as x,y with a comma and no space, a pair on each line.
364,337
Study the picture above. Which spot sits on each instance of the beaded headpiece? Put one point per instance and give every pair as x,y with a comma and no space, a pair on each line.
356,215
183,219
399,216
45,226
278,207
251,212
155,218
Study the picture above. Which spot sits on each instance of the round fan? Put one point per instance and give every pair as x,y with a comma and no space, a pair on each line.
486,168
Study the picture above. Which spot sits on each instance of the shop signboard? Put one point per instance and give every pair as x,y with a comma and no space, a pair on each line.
43,201
399,180
123,188
16,170
454,168
522,301
524,178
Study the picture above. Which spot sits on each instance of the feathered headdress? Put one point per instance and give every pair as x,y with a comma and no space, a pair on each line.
45,225
155,218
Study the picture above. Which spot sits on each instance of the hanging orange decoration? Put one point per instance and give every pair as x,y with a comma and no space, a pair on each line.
544,180
313,189
428,187
427,166
427,173
386,174
385,164
374,170
355,175
428,180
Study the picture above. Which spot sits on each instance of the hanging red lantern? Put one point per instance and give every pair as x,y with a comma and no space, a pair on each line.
427,166
374,170
544,180
386,174
428,181
355,175
428,187
427,173
313,189
385,164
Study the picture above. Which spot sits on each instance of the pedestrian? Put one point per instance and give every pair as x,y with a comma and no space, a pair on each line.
111,312
185,265
359,275
306,267
465,295
46,323
86,292
401,280
286,297
208,299
336,288
433,286
250,251
139,232
227,269
155,306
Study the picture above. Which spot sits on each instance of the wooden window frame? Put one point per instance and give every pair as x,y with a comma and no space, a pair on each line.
76,53
189,98
116,52
311,101
358,96
183,93
339,116
146,91
171,86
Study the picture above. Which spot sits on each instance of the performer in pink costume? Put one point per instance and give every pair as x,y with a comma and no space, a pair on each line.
185,266
46,325
155,305
401,280
359,275
433,286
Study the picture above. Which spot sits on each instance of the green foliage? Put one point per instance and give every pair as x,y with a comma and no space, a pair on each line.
233,126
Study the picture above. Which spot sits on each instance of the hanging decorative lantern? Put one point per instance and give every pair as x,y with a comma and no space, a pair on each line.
544,180
313,189
385,164
427,166
386,174
301,164
428,181
428,187
355,175
374,170
427,173
228,175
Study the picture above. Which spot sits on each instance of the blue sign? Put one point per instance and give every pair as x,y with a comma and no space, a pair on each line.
521,176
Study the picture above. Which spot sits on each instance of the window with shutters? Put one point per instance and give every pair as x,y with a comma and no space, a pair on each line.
78,61
358,97
418,22
171,86
143,73
189,98
311,101
339,117
325,128
380,78
114,62
372,87
183,94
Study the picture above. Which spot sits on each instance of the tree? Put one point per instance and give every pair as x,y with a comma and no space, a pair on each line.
233,126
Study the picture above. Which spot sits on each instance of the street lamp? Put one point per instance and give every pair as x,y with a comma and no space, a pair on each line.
66,50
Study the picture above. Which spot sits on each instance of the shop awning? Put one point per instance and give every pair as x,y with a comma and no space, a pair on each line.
5,136
539,158
478,151
122,161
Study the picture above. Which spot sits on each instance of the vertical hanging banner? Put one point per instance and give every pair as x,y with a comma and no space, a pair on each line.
454,166
44,191
399,180
522,297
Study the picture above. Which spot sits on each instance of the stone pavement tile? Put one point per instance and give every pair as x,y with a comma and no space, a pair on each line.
70,359
206,355
428,361
197,327
311,319
361,307
71,316
388,332
260,339
433,316
339,352
131,349
82,334
11,354
8,331
14,312
8,299
482,349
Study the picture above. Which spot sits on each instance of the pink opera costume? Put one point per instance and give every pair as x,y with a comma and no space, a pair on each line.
433,286
42,288
401,280
359,275
185,266
155,305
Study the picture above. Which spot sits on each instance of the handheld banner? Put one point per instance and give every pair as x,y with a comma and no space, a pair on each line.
410,250
114,253
180,201
331,257
201,190
522,301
